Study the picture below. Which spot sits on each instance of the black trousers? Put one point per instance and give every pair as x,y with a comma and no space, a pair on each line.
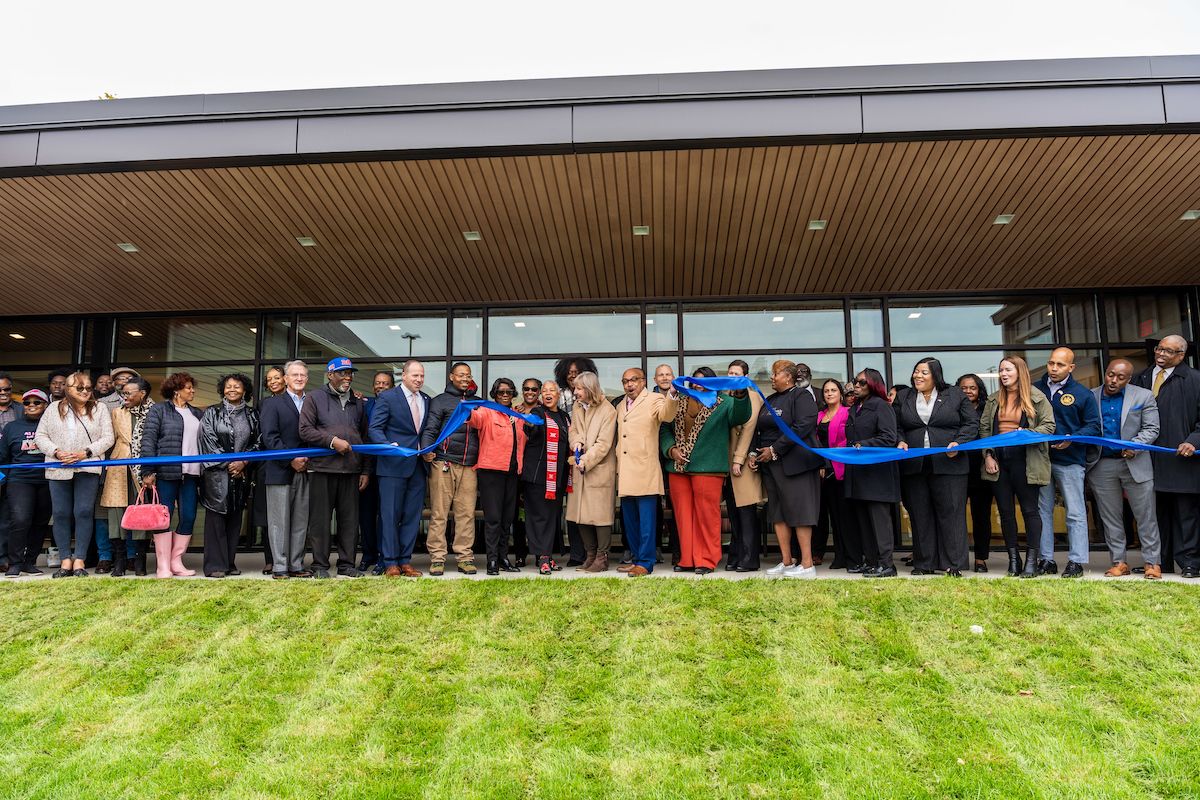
744,543
542,518
29,512
1011,485
1179,527
498,498
937,505
832,521
221,532
980,495
368,520
332,493
876,529
574,548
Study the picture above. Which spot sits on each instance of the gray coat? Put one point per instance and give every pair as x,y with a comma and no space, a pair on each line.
1139,423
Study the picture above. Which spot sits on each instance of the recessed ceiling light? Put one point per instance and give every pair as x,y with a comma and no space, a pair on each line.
17,335
134,333
1191,214
649,322
1003,219
817,224
472,236
518,324
254,330
641,230
127,247
915,315
306,241
393,327
1049,313
776,319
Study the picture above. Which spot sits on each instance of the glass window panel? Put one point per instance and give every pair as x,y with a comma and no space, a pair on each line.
1140,357
654,360
1134,317
956,322
1081,321
25,379
168,340
866,323
468,332
822,365
322,337
277,344
23,342
868,360
764,327
986,363
538,331
662,328
517,370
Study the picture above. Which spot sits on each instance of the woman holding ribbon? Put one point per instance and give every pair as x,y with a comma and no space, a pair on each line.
873,489
979,491
935,414
592,501
545,470
791,472
696,446
498,471
1017,472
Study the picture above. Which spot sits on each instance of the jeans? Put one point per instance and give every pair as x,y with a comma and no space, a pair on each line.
103,545
638,516
74,500
1069,479
187,493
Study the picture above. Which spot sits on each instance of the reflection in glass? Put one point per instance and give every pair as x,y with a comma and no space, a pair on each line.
468,332
518,369
1134,317
324,337
570,334
1081,320
822,365
662,328
764,326
175,339
866,323
986,364
277,344
23,342
983,322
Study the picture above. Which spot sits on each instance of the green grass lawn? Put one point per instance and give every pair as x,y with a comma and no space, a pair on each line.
598,688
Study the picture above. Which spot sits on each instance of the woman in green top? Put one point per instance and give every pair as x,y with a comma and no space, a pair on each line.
696,446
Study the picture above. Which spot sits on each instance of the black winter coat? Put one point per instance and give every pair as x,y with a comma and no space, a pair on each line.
162,435
220,492
872,423
798,411
322,417
1179,421
462,447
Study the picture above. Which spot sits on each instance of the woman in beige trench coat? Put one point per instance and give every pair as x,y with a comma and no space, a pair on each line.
592,498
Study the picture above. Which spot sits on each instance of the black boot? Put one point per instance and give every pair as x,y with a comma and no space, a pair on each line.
493,566
1014,562
139,560
1031,564
118,570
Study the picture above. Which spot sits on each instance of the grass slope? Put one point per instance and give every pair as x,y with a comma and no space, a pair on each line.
598,688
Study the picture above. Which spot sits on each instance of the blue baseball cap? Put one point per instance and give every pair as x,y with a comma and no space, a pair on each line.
340,363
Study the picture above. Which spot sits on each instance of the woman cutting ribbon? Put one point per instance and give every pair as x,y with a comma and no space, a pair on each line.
544,476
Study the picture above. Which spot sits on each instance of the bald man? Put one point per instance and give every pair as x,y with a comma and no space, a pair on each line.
1076,413
1176,387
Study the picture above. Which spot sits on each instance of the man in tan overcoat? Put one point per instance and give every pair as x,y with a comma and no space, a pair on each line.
639,476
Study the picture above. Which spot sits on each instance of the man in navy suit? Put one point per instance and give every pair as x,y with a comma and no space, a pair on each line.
397,419
287,481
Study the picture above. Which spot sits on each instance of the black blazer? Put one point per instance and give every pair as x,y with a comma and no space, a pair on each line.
953,420
1179,421
872,423
798,411
280,426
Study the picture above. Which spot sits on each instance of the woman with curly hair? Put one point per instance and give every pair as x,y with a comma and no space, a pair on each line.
230,426
173,429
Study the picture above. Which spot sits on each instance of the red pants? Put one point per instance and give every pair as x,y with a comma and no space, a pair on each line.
697,503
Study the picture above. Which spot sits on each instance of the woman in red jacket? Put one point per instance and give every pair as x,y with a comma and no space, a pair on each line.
498,470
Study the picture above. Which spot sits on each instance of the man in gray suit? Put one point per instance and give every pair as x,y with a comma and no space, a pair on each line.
1130,413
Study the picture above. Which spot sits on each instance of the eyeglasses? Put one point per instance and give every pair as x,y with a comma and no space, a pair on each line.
1167,351
32,403
505,393
5,390
81,389
529,389
860,381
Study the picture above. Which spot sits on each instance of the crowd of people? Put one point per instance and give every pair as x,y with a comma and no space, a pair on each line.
554,486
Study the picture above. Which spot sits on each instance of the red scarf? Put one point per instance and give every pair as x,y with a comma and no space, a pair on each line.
553,433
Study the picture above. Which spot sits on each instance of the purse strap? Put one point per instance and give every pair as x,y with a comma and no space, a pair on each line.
142,491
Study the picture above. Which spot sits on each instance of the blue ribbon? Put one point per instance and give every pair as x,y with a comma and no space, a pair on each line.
460,415
705,391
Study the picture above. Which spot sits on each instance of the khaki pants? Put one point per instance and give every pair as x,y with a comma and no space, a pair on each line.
451,491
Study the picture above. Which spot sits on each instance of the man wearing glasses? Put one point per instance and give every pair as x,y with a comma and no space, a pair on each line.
639,476
1176,477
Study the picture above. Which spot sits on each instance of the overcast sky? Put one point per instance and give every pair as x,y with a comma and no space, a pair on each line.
74,50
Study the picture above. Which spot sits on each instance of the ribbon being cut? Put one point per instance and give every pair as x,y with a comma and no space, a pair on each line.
705,391
460,415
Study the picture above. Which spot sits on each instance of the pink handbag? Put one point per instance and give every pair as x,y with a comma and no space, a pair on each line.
143,516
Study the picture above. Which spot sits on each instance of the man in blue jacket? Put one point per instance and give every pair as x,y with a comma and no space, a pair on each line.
396,418
1076,413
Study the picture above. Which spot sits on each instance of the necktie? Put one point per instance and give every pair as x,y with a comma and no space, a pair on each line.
414,405
1158,381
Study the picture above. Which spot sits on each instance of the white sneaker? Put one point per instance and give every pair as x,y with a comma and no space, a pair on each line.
800,572
52,557
779,569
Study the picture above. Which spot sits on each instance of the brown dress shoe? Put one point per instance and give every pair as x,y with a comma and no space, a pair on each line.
1153,572
637,572
392,572
625,567
1118,570
408,571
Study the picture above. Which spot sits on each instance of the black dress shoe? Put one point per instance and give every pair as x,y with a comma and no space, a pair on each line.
1073,570
506,566
702,570
1189,572
981,566
378,569
730,566
268,570
104,566
857,568
907,561
13,572
740,568
321,573
279,576
920,571
881,571
30,570
348,572
493,567
837,564
234,571
678,568
366,566
953,573
520,561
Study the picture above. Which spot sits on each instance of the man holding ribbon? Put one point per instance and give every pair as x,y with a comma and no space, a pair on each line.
639,477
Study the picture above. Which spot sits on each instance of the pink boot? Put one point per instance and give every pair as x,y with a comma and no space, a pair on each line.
179,545
162,554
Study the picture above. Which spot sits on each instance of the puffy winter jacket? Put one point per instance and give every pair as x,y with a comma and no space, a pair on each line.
463,445
162,435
